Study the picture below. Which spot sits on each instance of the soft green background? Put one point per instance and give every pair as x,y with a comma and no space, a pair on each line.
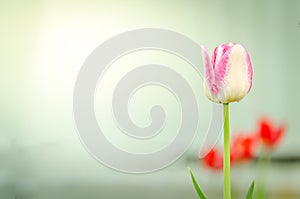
43,45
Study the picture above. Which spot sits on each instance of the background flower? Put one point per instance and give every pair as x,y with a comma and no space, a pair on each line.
243,146
214,159
270,133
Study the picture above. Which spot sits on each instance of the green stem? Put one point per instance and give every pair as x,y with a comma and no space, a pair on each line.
263,165
226,166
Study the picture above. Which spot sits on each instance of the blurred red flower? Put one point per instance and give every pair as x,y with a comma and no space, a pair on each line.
214,159
269,133
243,146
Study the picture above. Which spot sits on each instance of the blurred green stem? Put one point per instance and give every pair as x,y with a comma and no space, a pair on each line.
263,165
226,166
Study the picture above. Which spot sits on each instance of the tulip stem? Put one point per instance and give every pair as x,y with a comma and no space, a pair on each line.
226,165
263,164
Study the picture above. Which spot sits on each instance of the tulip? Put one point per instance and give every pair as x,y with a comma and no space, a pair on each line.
243,146
228,79
269,133
213,159
228,73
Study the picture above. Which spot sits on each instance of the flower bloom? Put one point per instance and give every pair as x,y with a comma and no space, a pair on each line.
243,146
214,159
228,73
269,133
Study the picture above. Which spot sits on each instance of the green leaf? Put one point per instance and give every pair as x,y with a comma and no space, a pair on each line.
250,191
196,185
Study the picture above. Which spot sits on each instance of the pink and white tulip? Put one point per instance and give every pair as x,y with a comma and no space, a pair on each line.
228,73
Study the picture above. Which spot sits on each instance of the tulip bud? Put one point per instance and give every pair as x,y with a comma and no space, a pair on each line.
228,73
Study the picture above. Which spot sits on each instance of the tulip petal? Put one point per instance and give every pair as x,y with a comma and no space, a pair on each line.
250,70
219,52
210,89
221,71
208,66
233,76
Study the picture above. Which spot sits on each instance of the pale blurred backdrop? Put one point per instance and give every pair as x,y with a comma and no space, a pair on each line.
43,46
